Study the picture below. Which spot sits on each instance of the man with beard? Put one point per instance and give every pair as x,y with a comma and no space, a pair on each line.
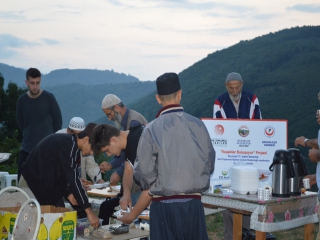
38,115
124,119
236,103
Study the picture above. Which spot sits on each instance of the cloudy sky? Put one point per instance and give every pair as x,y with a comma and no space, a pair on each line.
143,38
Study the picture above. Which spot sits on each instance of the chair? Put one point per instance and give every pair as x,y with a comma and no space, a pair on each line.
27,222
9,178
3,180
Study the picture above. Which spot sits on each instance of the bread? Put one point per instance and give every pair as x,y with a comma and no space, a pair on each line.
303,190
86,183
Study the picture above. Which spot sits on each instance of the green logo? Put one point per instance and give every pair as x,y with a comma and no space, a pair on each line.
68,230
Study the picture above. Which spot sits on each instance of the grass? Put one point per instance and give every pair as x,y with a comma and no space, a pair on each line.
215,229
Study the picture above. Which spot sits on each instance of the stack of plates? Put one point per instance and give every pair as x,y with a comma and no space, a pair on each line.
244,179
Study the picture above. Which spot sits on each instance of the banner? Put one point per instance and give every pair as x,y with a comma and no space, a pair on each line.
251,142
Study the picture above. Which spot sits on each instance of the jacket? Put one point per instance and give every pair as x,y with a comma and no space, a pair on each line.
175,154
248,108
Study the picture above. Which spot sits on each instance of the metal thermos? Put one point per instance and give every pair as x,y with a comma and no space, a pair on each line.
299,171
283,171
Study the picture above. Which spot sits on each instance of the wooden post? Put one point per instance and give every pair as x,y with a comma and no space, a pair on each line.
237,226
261,235
309,231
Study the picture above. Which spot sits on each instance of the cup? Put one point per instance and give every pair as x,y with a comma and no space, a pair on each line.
260,193
306,183
266,194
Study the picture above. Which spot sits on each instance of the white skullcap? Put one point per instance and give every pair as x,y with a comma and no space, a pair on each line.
77,123
110,100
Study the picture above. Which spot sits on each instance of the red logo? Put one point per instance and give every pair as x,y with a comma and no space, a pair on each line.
269,131
218,129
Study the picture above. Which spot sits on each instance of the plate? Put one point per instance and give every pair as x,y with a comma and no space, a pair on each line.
4,156
97,185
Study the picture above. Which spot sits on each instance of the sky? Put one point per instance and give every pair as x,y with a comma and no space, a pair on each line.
143,38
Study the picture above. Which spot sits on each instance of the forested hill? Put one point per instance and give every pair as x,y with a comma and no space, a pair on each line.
57,77
281,68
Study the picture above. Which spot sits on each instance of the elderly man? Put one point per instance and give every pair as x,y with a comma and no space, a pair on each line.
123,118
236,103
88,164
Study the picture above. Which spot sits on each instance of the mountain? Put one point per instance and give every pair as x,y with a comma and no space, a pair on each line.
281,68
66,76
85,101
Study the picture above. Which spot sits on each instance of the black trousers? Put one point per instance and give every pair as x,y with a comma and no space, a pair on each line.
107,208
21,160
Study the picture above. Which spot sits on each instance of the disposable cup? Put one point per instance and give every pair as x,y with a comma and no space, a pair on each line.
306,183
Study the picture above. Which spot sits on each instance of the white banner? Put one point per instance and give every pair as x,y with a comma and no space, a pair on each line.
251,142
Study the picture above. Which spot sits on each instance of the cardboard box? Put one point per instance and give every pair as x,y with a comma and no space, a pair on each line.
56,223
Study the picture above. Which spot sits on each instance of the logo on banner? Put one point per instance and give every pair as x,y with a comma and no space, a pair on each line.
243,131
218,129
219,142
269,131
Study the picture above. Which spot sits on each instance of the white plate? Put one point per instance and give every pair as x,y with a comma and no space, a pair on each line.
4,156
97,185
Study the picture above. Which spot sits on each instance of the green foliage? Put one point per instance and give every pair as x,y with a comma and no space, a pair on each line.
10,137
10,145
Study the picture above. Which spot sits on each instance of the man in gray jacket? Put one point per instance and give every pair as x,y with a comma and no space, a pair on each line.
175,159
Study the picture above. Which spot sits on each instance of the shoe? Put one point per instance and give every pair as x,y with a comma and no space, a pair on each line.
270,236
247,234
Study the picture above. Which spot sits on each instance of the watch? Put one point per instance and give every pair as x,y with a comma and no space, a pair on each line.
305,141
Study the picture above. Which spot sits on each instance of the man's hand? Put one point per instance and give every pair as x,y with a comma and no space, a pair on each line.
300,141
127,218
125,202
93,219
105,166
100,181
72,200
312,179
314,155
114,179
85,184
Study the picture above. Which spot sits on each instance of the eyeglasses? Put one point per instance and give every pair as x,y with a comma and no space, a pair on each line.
108,114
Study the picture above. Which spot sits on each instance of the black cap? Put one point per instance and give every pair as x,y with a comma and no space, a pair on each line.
168,83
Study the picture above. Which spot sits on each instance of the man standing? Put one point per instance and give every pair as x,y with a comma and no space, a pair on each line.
38,115
175,159
123,118
236,103
314,156
51,171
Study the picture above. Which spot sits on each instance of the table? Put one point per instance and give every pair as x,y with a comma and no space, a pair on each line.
276,214
132,234
103,193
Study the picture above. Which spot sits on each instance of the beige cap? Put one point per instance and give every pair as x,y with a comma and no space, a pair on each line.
110,100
